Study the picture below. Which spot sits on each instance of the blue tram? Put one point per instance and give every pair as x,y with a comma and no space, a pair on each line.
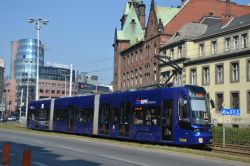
176,115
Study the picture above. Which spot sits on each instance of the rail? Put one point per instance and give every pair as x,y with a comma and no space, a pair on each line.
231,148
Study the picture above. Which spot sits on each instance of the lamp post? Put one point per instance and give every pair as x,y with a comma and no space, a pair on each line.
38,27
20,108
27,92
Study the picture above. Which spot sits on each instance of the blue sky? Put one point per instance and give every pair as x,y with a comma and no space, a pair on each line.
80,32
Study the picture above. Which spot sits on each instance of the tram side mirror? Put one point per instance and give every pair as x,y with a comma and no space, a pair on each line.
212,103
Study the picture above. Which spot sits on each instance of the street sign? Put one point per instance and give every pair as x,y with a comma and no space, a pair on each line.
230,112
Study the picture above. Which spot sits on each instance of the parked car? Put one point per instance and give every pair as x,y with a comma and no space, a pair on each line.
12,118
3,119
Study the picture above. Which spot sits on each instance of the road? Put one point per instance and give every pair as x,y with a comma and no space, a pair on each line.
59,151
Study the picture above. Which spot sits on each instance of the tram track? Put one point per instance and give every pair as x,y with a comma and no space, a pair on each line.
242,150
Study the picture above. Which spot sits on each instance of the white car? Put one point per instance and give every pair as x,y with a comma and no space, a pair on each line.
12,118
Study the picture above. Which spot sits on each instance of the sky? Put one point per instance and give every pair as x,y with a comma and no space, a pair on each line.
79,32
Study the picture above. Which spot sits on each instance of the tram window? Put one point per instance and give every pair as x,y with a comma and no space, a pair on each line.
84,115
146,115
152,116
60,115
184,120
138,117
115,115
43,114
104,113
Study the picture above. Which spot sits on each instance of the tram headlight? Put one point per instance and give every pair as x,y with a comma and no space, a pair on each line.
200,140
197,130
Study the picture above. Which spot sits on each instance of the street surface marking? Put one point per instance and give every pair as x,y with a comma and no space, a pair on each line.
39,164
124,160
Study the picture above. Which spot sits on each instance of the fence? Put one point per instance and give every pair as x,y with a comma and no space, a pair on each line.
227,136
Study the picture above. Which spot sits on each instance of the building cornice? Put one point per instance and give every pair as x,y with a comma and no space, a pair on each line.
218,57
132,48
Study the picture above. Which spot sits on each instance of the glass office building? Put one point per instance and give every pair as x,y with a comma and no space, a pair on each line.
25,67
26,59
55,73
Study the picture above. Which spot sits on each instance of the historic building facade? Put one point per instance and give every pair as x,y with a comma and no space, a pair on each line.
135,45
216,56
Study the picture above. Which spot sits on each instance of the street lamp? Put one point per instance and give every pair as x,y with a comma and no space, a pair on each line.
27,92
38,27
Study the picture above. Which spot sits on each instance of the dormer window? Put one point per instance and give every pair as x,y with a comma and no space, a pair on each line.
133,21
177,34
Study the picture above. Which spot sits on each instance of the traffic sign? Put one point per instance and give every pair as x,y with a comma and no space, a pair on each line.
2,107
230,112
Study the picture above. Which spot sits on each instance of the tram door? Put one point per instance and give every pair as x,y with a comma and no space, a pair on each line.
124,119
71,117
167,120
104,118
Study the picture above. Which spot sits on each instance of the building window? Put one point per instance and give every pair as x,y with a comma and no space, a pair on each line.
235,72
132,78
41,90
248,70
140,73
141,53
47,91
236,42
227,44
128,60
155,76
172,54
201,49
205,76
193,77
53,91
235,100
58,91
155,49
124,80
214,47
136,77
219,74
147,52
124,61
179,51
244,40
136,56
165,76
248,102
132,58
219,101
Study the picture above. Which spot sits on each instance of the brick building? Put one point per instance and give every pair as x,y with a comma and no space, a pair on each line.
136,44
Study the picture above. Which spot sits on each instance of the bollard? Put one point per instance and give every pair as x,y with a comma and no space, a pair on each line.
6,155
26,157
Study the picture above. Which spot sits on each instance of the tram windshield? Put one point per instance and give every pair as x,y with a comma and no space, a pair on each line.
200,112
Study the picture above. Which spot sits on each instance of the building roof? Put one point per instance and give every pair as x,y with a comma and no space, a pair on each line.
188,32
234,23
132,29
127,7
166,13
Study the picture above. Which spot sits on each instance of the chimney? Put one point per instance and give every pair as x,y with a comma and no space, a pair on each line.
142,14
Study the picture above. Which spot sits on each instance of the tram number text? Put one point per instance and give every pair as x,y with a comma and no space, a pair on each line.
182,140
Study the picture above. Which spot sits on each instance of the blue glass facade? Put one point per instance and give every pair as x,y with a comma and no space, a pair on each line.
25,65
26,58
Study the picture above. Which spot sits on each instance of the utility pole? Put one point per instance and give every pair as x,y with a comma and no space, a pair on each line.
20,109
